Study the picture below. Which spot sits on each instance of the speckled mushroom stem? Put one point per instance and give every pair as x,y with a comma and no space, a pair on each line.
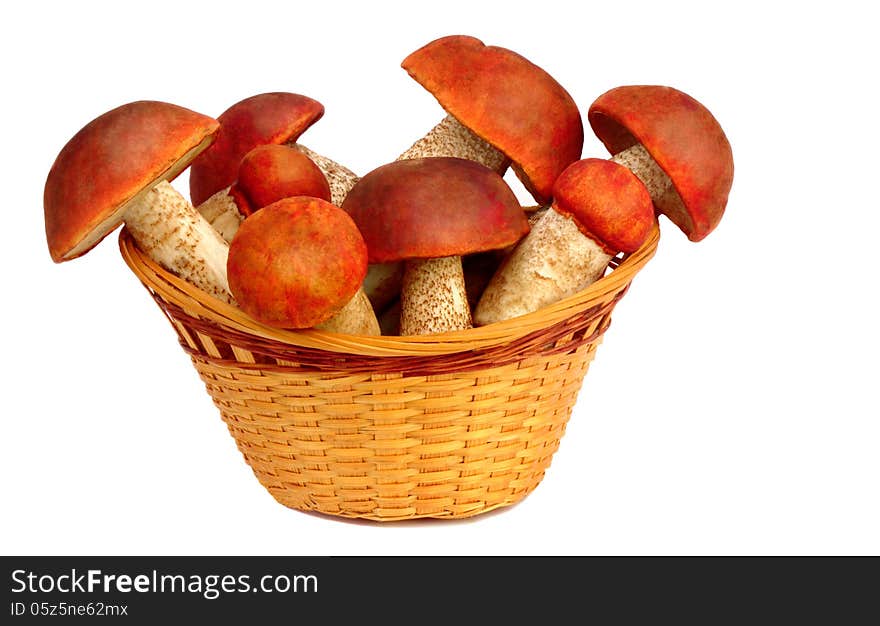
640,163
555,260
340,178
355,318
222,213
167,228
433,297
451,138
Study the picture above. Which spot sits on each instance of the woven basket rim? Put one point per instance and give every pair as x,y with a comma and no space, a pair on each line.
198,304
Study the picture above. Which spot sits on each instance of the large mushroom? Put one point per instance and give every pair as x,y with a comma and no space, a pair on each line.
267,118
116,169
674,145
428,212
599,209
299,263
501,108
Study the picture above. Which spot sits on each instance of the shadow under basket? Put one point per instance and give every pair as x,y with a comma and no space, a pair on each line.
392,428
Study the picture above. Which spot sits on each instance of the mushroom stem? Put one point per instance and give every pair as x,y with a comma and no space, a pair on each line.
169,229
451,138
663,193
640,163
553,261
222,213
433,297
355,318
341,178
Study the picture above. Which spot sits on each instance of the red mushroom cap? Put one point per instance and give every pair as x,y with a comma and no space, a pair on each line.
272,172
609,204
276,117
296,262
507,101
685,140
111,160
434,207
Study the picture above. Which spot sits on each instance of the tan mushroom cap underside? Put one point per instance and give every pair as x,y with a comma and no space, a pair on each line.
112,160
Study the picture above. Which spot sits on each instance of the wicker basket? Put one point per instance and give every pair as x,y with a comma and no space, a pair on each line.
392,428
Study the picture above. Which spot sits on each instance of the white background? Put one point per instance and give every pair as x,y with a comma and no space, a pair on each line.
730,410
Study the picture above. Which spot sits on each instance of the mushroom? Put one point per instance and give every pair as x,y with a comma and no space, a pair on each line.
599,209
502,110
674,145
116,169
299,263
266,174
428,212
498,100
268,118
273,172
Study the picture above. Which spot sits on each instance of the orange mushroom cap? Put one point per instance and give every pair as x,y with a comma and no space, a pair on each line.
507,101
272,172
685,140
609,204
111,160
434,207
296,262
276,117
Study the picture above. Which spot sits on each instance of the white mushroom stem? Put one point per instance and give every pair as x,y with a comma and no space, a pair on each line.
555,260
169,229
450,138
222,213
340,178
642,164
433,297
355,318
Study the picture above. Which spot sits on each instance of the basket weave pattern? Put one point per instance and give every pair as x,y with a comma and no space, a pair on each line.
390,428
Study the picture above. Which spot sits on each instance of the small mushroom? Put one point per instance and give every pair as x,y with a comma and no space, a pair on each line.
273,172
268,118
299,263
116,169
675,146
266,174
599,209
428,212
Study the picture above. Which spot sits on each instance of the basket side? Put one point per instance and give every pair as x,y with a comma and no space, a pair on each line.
390,446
